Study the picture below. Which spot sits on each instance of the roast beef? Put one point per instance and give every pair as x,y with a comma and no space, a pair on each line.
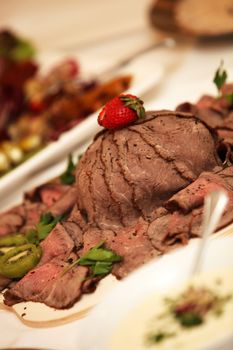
48,193
21,217
57,244
183,217
4,282
65,203
126,173
139,189
215,112
12,220
131,243
75,226
48,284
33,213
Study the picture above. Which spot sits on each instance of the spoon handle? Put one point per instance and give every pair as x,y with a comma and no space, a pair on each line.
214,207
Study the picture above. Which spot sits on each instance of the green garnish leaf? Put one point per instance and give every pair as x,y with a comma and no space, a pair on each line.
189,319
99,259
220,77
98,253
159,337
101,268
46,224
68,178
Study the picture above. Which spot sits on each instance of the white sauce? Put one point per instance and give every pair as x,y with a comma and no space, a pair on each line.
132,332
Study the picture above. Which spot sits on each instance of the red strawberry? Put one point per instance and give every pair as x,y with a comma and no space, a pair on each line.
121,111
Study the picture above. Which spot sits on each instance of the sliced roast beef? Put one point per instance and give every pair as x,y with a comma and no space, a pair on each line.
193,195
134,246
33,213
75,225
226,134
126,173
48,193
57,244
131,243
74,232
48,284
202,110
4,282
183,217
169,229
212,103
12,220
65,203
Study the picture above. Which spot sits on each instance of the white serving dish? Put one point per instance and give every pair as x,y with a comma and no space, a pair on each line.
156,277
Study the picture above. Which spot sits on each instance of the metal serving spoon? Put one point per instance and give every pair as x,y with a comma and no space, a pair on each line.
214,206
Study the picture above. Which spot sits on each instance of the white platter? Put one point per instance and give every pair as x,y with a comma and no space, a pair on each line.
157,276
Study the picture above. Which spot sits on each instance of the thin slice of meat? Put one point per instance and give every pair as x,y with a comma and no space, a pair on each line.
67,289
33,213
48,193
66,202
193,195
131,243
134,246
57,244
212,117
169,229
4,282
74,232
213,103
183,217
75,225
47,284
226,134
12,220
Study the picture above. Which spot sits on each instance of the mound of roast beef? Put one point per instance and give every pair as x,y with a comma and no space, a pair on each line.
139,189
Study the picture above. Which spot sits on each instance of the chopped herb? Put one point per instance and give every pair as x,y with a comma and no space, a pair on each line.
46,224
159,337
189,319
99,259
68,177
43,228
220,77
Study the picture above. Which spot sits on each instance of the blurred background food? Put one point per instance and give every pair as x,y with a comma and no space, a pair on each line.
194,17
37,108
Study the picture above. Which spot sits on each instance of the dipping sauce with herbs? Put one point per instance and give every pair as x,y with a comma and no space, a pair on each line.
190,317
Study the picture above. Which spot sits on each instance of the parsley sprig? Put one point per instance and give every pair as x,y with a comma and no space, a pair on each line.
99,259
219,80
68,177
43,228
220,77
